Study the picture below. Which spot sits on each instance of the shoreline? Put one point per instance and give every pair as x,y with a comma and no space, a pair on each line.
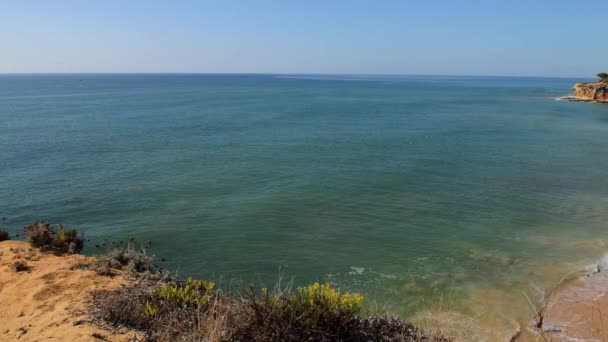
51,299
572,98
578,308
575,310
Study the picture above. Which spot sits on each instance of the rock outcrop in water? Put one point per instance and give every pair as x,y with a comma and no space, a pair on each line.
597,92
591,92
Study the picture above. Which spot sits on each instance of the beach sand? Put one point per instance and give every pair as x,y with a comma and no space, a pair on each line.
577,311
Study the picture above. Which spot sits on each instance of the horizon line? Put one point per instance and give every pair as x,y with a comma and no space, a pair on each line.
280,74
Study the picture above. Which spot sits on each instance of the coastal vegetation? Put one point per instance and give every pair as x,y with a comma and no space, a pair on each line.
167,308
123,256
57,239
122,294
603,76
128,293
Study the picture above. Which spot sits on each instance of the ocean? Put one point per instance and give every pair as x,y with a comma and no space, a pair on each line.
427,194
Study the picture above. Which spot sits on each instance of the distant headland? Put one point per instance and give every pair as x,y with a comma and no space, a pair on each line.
591,92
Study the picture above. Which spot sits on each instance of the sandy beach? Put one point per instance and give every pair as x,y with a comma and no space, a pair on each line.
575,312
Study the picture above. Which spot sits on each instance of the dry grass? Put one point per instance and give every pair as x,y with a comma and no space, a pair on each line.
453,325
437,316
170,319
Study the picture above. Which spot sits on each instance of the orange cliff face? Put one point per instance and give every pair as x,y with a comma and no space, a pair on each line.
596,92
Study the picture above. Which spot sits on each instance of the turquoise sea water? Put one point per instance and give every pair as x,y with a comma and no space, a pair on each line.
404,188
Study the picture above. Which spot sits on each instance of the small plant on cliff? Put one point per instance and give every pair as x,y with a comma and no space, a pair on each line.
20,266
151,310
4,236
603,77
123,256
182,295
313,294
44,236
200,284
39,234
68,240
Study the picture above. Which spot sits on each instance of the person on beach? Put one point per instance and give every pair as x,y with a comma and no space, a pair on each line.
539,320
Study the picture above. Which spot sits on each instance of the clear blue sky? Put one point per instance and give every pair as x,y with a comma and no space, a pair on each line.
447,37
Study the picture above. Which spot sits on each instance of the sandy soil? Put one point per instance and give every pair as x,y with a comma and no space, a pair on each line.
48,302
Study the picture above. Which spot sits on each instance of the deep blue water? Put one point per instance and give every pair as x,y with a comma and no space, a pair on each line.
395,186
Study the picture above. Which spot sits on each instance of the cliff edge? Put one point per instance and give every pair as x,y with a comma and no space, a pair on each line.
592,92
45,299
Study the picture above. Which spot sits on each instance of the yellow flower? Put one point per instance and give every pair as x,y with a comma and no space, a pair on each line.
325,293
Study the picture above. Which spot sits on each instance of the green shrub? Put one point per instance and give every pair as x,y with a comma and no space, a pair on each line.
324,294
40,235
200,284
134,260
68,240
317,312
44,236
171,311
181,295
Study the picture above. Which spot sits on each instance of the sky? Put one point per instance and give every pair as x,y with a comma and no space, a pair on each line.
432,37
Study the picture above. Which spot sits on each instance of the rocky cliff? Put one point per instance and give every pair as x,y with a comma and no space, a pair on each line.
597,92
